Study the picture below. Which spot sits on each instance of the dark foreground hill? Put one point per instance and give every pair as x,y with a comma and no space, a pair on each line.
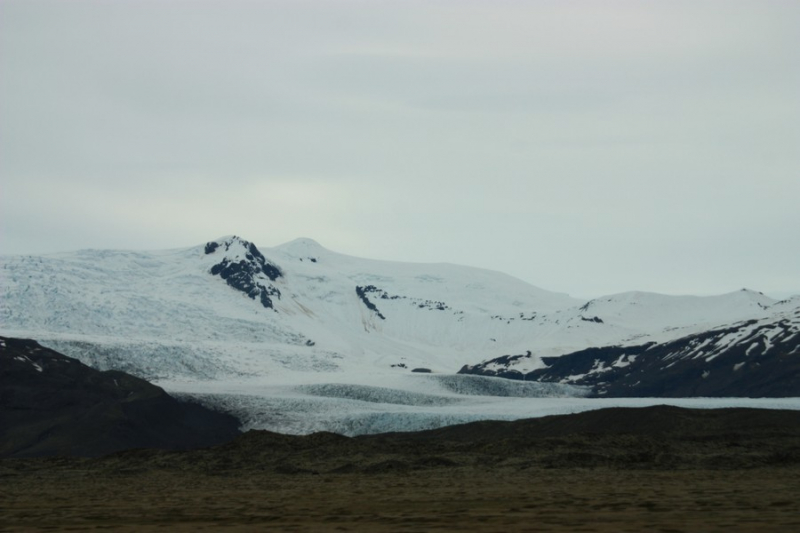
51,404
659,437
650,469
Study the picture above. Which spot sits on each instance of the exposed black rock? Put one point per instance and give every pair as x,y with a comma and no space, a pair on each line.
243,274
51,404
422,370
745,360
430,304
271,271
595,319
510,319
419,303
362,294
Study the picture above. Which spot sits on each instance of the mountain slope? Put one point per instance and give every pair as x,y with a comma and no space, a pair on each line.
755,358
226,310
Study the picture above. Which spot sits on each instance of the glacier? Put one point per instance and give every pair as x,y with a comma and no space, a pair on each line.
302,338
357,410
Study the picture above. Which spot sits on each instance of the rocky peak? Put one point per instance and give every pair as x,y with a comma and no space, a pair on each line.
245,268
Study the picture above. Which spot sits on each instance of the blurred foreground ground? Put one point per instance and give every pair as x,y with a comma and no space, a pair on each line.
656,469
461,499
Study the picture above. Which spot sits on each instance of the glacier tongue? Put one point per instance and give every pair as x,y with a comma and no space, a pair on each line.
407,403
286,411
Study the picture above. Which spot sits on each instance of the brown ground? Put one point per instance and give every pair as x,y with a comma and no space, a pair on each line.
484,477
441,499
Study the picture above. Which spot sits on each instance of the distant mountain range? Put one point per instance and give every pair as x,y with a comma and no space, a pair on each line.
227,310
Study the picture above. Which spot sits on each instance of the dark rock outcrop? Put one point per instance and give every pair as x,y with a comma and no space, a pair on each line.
418,303
51,404
249,273
362,294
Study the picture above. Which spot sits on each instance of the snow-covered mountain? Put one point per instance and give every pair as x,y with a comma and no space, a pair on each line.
756,358
225,309
298,338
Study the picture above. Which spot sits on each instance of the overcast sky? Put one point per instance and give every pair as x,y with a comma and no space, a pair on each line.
586,147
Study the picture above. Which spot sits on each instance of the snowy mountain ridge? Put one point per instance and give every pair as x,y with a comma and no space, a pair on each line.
225,308
753,358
